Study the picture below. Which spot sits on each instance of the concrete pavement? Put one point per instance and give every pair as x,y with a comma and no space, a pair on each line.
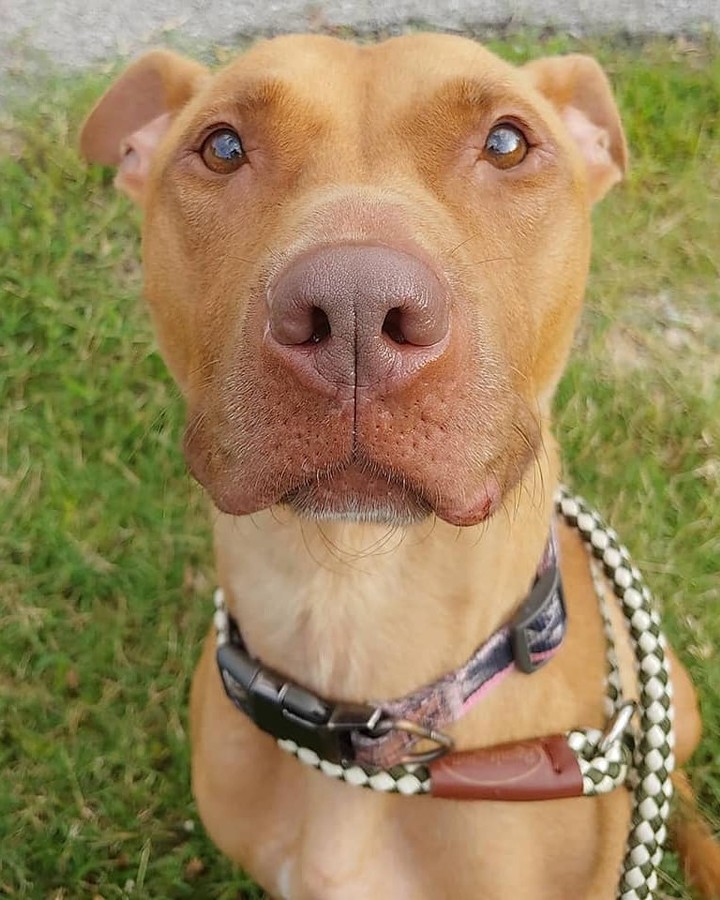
77,32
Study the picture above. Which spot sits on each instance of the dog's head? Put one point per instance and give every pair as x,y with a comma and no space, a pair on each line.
364,263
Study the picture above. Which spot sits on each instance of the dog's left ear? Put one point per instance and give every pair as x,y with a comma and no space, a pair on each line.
580,91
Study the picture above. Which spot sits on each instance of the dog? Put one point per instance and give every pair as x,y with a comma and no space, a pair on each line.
365,265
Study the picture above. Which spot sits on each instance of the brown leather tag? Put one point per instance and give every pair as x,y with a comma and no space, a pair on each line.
540,769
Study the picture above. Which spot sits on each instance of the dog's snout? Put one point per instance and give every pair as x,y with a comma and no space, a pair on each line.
360,315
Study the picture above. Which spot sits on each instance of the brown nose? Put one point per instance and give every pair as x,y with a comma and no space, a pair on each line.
358,316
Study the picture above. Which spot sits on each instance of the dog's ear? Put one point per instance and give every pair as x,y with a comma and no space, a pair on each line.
580,91
128,122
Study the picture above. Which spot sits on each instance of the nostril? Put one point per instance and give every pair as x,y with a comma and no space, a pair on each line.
392,326
297,324
416,324
320,326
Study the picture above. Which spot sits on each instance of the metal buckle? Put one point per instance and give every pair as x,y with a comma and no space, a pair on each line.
542,593
288,711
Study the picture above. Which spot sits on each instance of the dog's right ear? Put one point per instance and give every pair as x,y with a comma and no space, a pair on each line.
128,122
581,93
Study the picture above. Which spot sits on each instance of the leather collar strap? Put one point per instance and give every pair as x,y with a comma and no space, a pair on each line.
389,733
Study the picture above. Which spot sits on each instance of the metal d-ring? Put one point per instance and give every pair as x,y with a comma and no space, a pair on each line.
443,742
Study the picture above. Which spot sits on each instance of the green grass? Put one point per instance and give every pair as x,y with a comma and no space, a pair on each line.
105,563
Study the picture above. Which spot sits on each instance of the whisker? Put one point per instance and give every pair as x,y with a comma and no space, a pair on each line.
480,262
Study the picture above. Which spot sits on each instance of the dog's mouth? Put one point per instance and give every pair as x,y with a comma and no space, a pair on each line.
360,489
359,492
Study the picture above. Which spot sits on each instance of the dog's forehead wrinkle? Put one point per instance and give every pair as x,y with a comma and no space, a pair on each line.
381,83
234,102
468,95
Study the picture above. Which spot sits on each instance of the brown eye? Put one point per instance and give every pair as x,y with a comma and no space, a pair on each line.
505,147
222,151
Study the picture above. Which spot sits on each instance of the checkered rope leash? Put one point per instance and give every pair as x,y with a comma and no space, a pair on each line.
614,699
604,764
653,759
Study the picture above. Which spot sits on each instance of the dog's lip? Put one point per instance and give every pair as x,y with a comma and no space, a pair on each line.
370,494
475,508
361,489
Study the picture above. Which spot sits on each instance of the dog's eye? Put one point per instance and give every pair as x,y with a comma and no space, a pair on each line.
222,151
505,147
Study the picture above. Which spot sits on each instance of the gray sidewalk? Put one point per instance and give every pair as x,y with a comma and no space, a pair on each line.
75,33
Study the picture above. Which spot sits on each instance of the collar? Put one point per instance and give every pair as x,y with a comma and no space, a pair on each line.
387,733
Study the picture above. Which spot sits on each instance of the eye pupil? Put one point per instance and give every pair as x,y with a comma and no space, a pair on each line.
223,152
226,145
505,147
503,140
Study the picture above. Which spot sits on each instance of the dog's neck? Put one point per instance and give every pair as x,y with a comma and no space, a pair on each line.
359,612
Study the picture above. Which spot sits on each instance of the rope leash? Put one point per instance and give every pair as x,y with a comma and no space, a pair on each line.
605,758
654,759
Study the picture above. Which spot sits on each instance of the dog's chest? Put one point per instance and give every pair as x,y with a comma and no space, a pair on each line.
422,852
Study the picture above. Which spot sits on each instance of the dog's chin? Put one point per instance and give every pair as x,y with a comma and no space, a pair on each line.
355,497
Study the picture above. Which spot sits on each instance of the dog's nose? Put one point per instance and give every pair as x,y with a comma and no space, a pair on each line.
359,316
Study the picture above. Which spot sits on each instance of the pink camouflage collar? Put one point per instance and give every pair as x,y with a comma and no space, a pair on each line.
386,734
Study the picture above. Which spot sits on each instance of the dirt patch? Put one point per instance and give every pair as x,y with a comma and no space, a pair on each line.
656,332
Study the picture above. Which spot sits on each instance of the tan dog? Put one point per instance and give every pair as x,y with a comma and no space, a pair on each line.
365,266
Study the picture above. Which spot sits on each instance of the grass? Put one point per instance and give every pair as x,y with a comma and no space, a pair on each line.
105,563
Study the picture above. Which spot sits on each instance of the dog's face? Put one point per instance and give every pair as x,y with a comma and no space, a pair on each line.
364,263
